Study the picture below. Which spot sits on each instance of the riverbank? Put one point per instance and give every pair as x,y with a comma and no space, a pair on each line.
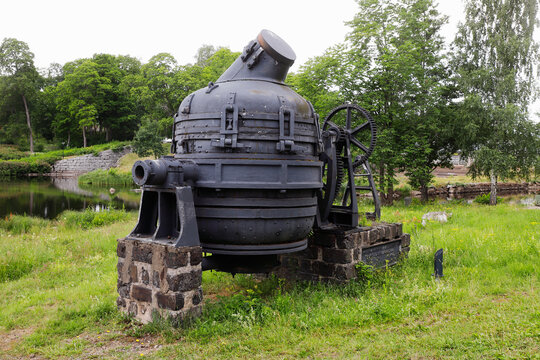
486,306
21,164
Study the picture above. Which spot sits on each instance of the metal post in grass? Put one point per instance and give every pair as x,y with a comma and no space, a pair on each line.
438,264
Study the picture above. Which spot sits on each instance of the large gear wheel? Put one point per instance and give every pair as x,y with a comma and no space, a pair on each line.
354,126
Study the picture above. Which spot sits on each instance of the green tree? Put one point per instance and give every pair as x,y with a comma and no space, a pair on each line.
494,57
162,84
431,124
320,80
80,96
395,68
147,140
20,81
91,98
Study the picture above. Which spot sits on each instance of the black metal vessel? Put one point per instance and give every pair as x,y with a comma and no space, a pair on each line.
255,142
249,162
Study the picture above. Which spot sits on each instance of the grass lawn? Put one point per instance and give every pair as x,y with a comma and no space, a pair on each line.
58,286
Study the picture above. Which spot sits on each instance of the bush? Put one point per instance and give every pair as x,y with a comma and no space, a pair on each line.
11,152
404,190
21,168
147,141
484,199
89,218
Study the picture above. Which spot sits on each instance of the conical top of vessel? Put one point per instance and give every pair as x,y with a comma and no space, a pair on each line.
268,57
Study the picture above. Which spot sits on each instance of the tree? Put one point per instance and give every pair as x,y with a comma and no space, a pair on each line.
92,97
397,71
431,123
161,85
320,80
147,141
204,53
494,58
20,79
81,95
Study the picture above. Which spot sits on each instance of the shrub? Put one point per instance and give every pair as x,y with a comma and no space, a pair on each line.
21,168
11,152
404,190
147,141
484,199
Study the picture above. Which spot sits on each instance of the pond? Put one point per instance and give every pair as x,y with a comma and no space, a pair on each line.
48,197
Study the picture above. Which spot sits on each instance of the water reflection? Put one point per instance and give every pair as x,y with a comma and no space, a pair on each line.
49,197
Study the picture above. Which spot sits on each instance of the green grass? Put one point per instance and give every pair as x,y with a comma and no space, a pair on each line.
106,178
486,306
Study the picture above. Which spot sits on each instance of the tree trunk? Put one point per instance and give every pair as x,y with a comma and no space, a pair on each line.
390,192
493,193
424,196
107,134
84,135
29,123
69,139
382,184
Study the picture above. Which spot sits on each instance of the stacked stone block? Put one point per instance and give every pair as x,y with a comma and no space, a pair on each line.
86,163
333,253
159,280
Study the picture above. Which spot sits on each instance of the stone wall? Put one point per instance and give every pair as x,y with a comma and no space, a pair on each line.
86,163
485,188
333,254
159,280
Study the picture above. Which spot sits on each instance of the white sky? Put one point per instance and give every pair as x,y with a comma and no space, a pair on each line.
65,30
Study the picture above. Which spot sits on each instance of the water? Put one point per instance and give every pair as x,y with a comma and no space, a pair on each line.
48,197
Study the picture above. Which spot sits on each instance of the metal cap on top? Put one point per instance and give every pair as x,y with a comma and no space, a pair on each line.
268,58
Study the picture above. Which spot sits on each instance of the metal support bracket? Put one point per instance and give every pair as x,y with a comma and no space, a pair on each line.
229,126
286,129
167,217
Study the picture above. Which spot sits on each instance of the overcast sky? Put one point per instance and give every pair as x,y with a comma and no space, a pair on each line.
65,30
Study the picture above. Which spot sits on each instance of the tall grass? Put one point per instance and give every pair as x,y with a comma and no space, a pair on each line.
106,178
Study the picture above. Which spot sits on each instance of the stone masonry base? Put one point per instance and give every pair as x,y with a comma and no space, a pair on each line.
164,281
159,280
333,254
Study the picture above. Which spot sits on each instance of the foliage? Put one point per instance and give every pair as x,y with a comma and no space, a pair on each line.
484,199
19,88
106,178
392,64
147,141
90,97
11,152
494,58
17,168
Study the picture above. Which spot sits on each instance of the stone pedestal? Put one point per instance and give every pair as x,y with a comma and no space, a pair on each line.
159,280
332,254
